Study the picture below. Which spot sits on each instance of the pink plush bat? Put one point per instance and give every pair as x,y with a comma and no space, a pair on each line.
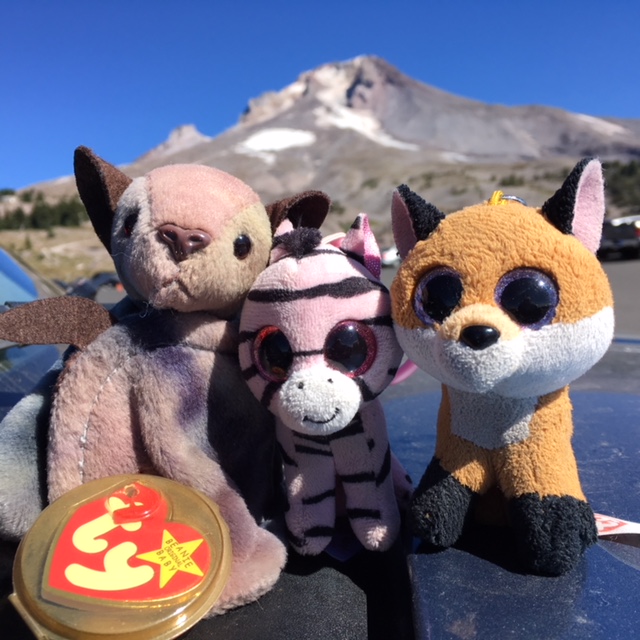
161,390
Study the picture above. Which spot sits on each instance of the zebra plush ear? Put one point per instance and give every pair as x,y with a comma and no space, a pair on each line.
578,207
306,209
413,219
360,244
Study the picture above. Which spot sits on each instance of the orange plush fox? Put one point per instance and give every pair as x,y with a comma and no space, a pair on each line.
505,305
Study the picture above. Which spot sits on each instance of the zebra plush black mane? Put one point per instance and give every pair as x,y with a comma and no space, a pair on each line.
299,242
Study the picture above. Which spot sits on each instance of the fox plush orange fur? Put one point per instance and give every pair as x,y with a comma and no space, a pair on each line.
505,305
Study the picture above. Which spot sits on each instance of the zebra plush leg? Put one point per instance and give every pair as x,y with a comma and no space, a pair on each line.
363,463
311,490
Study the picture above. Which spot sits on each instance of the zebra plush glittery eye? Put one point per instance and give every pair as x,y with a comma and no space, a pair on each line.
272,354
350,348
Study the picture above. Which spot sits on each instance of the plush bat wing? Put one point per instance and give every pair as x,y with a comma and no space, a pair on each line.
64,320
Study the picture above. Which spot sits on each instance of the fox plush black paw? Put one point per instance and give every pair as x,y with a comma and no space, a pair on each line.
440,507
552,532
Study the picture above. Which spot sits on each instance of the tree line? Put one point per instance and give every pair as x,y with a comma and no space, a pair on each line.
623,184
623,191
39,214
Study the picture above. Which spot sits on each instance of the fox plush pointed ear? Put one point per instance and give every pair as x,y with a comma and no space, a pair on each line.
578,207
413,219
100,186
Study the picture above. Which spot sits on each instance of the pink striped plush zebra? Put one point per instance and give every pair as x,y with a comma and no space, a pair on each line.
317,347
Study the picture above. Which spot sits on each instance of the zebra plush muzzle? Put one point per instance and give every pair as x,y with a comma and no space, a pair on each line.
317,401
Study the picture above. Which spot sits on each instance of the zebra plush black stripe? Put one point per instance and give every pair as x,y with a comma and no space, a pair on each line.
374,514
319,532
354,428
324,440
365,476
347,288
286,458
312,451
379,321
386,467
366,392
320,497
250,372
269,391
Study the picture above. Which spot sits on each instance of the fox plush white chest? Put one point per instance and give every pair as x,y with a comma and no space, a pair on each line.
505,305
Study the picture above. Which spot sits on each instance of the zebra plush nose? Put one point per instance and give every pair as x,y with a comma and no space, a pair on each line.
183,242
479,336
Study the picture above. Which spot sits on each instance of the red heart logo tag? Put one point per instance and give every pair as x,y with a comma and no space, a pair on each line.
124,548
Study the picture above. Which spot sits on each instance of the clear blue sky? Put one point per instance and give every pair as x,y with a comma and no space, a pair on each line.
119,75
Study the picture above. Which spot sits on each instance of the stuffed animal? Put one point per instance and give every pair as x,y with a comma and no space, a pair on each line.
317,348
505,305
160,390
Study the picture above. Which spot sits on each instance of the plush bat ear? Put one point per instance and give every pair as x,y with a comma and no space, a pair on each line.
100,186
413,219
306,209
360,244
63,320
578,207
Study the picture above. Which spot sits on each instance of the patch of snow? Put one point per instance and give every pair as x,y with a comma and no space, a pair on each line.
452,156
263,144
364,123
602,126
335,80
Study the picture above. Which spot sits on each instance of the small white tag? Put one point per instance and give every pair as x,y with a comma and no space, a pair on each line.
610,526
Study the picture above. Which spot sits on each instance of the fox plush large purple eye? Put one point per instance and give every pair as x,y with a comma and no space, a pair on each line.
438,293
350,348
529,296
272,354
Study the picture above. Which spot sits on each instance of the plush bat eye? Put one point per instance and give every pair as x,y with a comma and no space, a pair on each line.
529,296
130,223
350,347
437,295
272,354
242,247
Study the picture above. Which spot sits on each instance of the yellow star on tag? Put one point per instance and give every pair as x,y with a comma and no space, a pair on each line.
173,556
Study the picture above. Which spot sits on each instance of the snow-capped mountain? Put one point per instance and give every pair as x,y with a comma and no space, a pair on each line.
356,129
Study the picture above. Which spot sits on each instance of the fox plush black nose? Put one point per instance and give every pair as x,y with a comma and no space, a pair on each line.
183,242
479,336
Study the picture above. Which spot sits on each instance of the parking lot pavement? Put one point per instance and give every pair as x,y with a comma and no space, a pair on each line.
624,276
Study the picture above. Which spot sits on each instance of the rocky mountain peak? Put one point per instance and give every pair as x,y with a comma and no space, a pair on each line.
181,138
357,84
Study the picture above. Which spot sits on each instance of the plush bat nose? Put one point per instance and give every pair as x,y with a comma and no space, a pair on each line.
183,242
479,336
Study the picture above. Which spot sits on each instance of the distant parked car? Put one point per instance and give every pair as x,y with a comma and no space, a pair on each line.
390,257
620,238
104,287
